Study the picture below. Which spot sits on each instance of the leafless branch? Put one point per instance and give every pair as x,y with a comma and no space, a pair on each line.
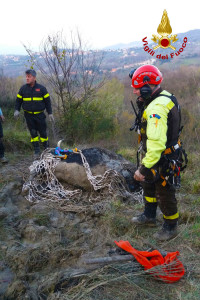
71,70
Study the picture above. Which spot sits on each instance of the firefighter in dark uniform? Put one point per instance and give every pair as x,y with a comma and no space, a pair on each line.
34,99
159,134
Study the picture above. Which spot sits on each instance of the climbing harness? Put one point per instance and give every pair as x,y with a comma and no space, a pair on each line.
172,166
169,166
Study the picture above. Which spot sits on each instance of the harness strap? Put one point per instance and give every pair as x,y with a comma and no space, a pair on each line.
172,148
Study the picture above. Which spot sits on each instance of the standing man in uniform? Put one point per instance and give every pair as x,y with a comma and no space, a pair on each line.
159,131
2,157
34,99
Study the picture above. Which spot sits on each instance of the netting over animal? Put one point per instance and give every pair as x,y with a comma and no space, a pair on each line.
43,186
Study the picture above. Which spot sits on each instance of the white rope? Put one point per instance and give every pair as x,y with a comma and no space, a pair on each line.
43,184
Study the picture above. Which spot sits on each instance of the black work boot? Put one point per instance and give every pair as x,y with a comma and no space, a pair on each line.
143,220
3,160
45,144
148,217
167,232
36,147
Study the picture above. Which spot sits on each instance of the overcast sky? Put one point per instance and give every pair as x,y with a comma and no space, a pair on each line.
101,23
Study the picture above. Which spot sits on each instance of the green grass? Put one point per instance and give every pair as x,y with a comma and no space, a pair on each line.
121,281
196,202
117,226
41,219
128,153
17,141
190,177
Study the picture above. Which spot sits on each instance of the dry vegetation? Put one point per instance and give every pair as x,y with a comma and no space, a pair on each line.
127,280
59,264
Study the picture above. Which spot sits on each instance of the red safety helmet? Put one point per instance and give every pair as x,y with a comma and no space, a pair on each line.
146,74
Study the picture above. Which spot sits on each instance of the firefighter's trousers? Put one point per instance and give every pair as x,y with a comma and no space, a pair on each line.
37,124
155,194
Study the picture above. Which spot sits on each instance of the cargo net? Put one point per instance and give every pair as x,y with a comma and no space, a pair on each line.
43,186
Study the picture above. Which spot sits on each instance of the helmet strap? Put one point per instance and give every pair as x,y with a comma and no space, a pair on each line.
156,87
140,103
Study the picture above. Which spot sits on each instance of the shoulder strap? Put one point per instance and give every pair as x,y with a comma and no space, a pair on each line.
174,100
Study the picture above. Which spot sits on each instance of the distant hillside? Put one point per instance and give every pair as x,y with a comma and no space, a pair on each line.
124,46
121,58
192,35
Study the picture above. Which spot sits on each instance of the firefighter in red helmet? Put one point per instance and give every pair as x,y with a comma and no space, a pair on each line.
160,149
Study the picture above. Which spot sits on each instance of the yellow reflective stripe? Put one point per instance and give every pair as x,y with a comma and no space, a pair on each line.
27,99
38,98
36,139
33,112
151,199
171,217
43,140
19,96
170,105
47,95
144,115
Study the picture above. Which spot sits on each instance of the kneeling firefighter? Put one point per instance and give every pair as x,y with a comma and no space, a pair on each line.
160,149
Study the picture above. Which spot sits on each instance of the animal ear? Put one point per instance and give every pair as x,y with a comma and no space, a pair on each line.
59,143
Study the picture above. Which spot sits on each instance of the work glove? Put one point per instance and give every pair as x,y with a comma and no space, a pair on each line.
51,118
16,114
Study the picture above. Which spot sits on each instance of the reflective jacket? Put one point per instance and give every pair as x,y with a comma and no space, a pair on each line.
33,99
160,128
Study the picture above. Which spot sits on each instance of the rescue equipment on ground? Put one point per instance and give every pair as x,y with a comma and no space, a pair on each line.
165,268
63,153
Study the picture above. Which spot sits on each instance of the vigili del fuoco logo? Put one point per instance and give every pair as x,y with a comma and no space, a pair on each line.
164,41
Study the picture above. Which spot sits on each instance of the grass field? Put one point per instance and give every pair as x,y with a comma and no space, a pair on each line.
128,280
